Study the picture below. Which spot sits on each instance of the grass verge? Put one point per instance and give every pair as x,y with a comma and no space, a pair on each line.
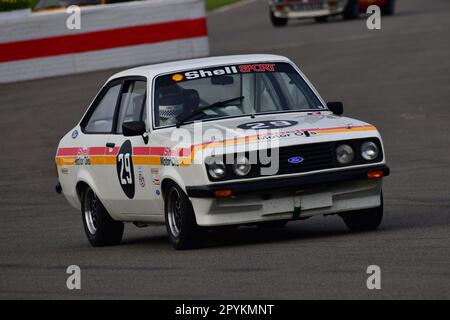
214,4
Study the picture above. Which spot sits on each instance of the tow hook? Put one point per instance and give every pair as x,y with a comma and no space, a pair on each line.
58,188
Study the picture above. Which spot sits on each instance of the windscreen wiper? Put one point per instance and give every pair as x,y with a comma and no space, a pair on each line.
217,104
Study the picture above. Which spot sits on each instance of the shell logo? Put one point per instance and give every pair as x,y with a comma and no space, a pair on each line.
177,77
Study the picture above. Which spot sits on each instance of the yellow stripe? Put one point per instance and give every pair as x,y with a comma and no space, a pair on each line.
65,161
146,160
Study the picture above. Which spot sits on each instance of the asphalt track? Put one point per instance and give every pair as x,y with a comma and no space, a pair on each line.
397,78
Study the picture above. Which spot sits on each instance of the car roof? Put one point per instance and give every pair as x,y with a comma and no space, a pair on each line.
153,70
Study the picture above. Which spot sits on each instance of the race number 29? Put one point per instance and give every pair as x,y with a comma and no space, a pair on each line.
125,168
125,171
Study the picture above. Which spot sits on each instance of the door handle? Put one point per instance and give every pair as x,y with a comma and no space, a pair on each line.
110,144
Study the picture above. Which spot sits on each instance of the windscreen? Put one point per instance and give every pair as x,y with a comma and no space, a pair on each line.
231,91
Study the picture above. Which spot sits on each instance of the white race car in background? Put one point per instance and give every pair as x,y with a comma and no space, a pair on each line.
123,162
283,10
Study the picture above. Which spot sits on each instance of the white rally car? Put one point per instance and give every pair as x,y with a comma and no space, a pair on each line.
221,141
283,10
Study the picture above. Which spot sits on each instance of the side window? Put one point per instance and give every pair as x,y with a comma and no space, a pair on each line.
132,103
101,120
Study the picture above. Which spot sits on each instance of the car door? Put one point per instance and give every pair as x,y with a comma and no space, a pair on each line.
130,182
92,157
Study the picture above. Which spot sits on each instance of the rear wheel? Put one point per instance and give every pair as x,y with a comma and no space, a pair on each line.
184,233
389,8
364,220
276,21
351,10
100,228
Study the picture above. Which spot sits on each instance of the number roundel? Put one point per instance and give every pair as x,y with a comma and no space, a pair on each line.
125,171
272,124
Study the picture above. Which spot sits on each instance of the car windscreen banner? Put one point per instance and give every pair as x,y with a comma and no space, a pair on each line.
224,71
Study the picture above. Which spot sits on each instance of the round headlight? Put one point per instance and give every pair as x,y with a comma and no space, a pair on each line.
344,154
217,169
369,150
242,166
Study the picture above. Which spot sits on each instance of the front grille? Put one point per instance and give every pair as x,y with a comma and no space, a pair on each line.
317,156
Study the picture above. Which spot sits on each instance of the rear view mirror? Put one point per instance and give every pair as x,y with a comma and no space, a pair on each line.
336,107
222,80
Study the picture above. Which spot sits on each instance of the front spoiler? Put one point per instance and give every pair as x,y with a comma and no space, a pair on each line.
285,183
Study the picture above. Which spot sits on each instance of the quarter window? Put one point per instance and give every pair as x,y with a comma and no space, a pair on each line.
101,120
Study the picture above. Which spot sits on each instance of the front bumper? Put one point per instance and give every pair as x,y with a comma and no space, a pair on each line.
290,10
267,186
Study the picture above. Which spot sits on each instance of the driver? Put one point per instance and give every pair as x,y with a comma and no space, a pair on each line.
175,103
170,104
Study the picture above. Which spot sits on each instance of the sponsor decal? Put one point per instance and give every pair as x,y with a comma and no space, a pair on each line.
82,157
295,160
177,77
74,134
227,70
125,171
156,182
281,135
170,161
141,177
154,170
158,192
272,124
65,170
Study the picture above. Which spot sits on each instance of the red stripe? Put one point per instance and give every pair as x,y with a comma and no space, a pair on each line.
67,152
105,39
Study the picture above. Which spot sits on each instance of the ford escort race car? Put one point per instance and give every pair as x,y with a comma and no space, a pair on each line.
283,10
220,141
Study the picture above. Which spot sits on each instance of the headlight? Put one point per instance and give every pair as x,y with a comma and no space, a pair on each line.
369,150
344,154
242,166
217,169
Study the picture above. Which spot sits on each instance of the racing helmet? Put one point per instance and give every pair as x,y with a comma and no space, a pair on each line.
170,103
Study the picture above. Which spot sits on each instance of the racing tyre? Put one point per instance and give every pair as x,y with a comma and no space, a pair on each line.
276,224
364,220
321,19
351,10
184,233
276,21
100,228
389,8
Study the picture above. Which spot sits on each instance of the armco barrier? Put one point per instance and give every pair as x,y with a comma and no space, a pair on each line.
38,45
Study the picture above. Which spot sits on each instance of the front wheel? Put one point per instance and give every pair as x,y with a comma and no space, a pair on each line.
321,19
276,21
184,233
100,228
389,8
364,220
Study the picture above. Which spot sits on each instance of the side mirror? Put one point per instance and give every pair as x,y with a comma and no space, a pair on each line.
336,107
133,128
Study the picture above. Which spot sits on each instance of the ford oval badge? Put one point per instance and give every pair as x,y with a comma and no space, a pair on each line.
295,160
